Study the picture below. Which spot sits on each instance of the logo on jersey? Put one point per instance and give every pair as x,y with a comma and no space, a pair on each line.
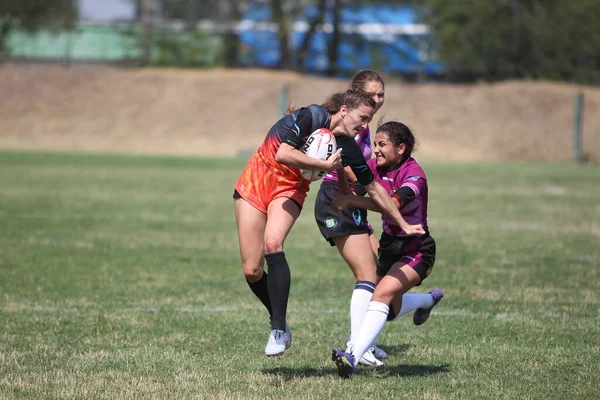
357,217
413,178
296,130
330,222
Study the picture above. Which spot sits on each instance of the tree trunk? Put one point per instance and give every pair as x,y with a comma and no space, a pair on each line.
147,15
303,50
229,12
334,43
283,33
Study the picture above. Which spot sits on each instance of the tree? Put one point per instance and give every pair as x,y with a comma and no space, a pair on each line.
334,42
283,33
504,39
312,28
147,16
230,11
224,14
32,15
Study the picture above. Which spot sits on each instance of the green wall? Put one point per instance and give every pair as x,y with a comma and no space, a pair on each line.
94,42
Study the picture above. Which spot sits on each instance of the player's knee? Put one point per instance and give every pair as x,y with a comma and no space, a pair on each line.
273,245
252,270
383,296
253,274
364,270
363,274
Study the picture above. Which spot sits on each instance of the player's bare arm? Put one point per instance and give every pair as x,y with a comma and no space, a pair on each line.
349,200
343,186
389,206
292,157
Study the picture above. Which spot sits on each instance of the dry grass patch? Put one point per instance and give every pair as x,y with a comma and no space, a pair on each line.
224,112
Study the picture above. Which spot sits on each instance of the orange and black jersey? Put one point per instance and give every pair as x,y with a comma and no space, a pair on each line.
297,126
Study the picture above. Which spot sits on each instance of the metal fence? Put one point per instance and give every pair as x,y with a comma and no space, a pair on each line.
384,37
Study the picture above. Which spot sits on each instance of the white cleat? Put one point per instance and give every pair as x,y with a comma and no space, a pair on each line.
379,352
367,359
278,342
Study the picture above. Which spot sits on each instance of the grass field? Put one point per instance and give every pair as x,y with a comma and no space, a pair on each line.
120,279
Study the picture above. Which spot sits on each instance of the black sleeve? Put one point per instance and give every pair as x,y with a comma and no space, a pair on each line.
357,188
300,130
404,195
352,156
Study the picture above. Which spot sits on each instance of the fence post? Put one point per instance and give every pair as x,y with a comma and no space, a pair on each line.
68,47
577,129
147,20
284,98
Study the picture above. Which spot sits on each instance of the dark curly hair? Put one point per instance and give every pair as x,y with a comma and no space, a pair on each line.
398,134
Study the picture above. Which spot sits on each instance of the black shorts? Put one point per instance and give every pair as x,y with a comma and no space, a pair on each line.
418,252
331,223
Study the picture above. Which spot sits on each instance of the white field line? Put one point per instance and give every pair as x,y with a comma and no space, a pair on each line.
226,309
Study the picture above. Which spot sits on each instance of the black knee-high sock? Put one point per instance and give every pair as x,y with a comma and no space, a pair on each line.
279,287
259,288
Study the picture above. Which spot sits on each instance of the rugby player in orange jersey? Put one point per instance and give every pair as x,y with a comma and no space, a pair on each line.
270,193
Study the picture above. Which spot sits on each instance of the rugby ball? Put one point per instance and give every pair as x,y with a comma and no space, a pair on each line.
320,145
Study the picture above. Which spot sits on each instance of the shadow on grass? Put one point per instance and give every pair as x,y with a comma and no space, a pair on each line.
412,370
289,374
395,349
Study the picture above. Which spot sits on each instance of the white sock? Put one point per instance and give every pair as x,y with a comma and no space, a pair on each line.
411,302
373,325
361,296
